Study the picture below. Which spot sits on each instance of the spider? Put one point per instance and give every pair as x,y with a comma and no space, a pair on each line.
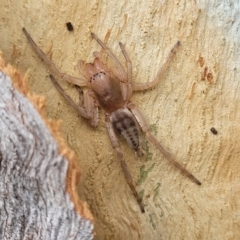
111,88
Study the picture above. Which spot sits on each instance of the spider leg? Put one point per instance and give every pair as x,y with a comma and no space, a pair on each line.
115,145
118,70
107,36
161,72
140,119
127,87
45,58
90,111
121,72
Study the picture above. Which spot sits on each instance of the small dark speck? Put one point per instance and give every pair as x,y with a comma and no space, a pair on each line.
69,26
214,131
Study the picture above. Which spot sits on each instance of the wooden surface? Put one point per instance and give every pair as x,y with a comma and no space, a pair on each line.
199,91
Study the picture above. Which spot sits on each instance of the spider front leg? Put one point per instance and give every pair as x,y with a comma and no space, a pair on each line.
118,70
144,126
127,86
161,71
111,55
88,111
51,65
115,145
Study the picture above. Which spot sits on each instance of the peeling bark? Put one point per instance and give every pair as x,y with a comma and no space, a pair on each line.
34,203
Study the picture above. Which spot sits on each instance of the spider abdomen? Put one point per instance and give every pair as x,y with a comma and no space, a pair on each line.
124,123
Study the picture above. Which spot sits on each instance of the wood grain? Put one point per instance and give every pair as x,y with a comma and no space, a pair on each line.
190,99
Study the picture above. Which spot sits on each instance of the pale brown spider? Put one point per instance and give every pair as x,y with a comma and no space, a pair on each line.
111,89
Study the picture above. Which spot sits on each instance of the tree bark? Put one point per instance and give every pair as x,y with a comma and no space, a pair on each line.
34,203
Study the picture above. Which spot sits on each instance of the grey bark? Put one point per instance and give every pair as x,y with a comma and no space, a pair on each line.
33,201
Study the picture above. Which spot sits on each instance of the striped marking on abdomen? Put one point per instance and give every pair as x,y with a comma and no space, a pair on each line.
124,123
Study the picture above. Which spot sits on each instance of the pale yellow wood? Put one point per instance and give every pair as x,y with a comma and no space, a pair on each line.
181,109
